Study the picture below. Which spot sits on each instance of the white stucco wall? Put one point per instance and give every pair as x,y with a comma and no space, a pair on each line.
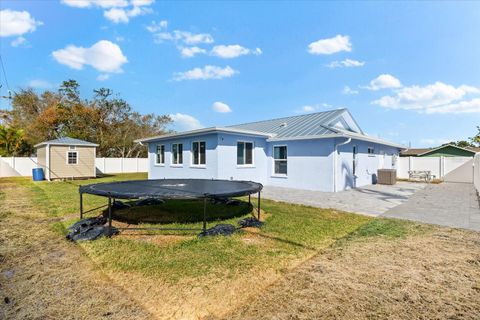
186,170
310,163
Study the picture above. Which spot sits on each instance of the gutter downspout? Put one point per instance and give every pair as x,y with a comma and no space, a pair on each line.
335,151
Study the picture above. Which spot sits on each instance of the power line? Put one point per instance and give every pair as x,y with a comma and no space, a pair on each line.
4,73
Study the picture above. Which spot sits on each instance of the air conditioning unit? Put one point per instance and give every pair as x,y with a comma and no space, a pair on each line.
387,176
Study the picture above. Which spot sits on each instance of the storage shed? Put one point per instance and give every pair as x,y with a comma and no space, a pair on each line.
67,158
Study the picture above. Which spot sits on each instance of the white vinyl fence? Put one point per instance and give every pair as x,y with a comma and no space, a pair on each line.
453,169
476,171
22,166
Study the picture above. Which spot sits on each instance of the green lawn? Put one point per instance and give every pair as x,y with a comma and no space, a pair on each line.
290,232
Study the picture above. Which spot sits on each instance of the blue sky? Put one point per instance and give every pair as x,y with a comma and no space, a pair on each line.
408,72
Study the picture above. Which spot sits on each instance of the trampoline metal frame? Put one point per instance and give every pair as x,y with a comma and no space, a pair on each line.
203,229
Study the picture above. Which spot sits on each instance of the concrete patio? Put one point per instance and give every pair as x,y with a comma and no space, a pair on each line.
446,204
370,200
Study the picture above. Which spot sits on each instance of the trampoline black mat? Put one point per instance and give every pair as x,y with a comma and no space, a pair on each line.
172,188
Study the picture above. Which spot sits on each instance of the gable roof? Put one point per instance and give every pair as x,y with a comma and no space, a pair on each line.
424,151
326,124
449,145
313,124
66,141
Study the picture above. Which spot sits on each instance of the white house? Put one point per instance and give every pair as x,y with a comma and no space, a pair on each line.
325,151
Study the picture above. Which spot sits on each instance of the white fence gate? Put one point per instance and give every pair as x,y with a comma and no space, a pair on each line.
22,166
476,171
452,169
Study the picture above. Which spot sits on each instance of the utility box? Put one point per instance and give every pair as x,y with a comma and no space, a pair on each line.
387,176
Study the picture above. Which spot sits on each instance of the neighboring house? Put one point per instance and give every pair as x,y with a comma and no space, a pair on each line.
324,151
448,150
67,158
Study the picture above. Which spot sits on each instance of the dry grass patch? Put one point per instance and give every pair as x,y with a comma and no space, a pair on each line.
419,273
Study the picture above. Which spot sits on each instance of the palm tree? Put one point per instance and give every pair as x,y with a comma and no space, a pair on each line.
11,141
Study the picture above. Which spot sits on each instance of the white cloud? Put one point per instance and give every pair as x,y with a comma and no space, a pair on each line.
189,52
348,90
40,84
120,15
347,63
207,72
139,3
314,107
185,122
105,4
103,77
17,23
433,98
383,81
332,45
117,11
104,56
184,37
20,41
233,51
157,26
116,15
221,107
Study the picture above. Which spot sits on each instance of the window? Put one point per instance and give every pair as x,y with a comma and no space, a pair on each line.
198,153
354,164
160,154
244,153
177,153
371,151
280,159
72,157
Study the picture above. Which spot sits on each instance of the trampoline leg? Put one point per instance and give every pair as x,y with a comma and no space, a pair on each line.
249,201
81,205
204,213
258,205
109,214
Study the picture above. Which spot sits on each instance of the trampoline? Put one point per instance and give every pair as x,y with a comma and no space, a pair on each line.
170,189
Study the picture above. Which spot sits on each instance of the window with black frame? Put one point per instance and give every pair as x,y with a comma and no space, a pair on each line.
177,153
280,160
199,156
244,153
160,154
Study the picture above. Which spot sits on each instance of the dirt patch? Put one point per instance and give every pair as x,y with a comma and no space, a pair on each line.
45,277
424,276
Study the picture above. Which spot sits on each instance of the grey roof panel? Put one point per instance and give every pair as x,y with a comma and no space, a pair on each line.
68,141
313,124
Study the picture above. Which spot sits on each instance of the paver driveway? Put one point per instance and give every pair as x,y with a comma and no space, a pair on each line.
371,200
446,204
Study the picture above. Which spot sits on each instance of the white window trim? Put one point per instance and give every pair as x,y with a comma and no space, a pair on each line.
278,175
201,166
176,165
159,164
252,165
72,164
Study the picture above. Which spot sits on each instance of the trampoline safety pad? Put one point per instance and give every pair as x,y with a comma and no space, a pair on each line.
173,189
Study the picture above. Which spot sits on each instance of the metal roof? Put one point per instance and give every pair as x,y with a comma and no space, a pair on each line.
313,124
317,125
67,141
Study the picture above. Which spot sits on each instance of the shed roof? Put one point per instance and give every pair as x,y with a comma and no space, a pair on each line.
67,141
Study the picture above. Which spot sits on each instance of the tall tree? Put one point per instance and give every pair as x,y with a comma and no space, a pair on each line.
105,119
